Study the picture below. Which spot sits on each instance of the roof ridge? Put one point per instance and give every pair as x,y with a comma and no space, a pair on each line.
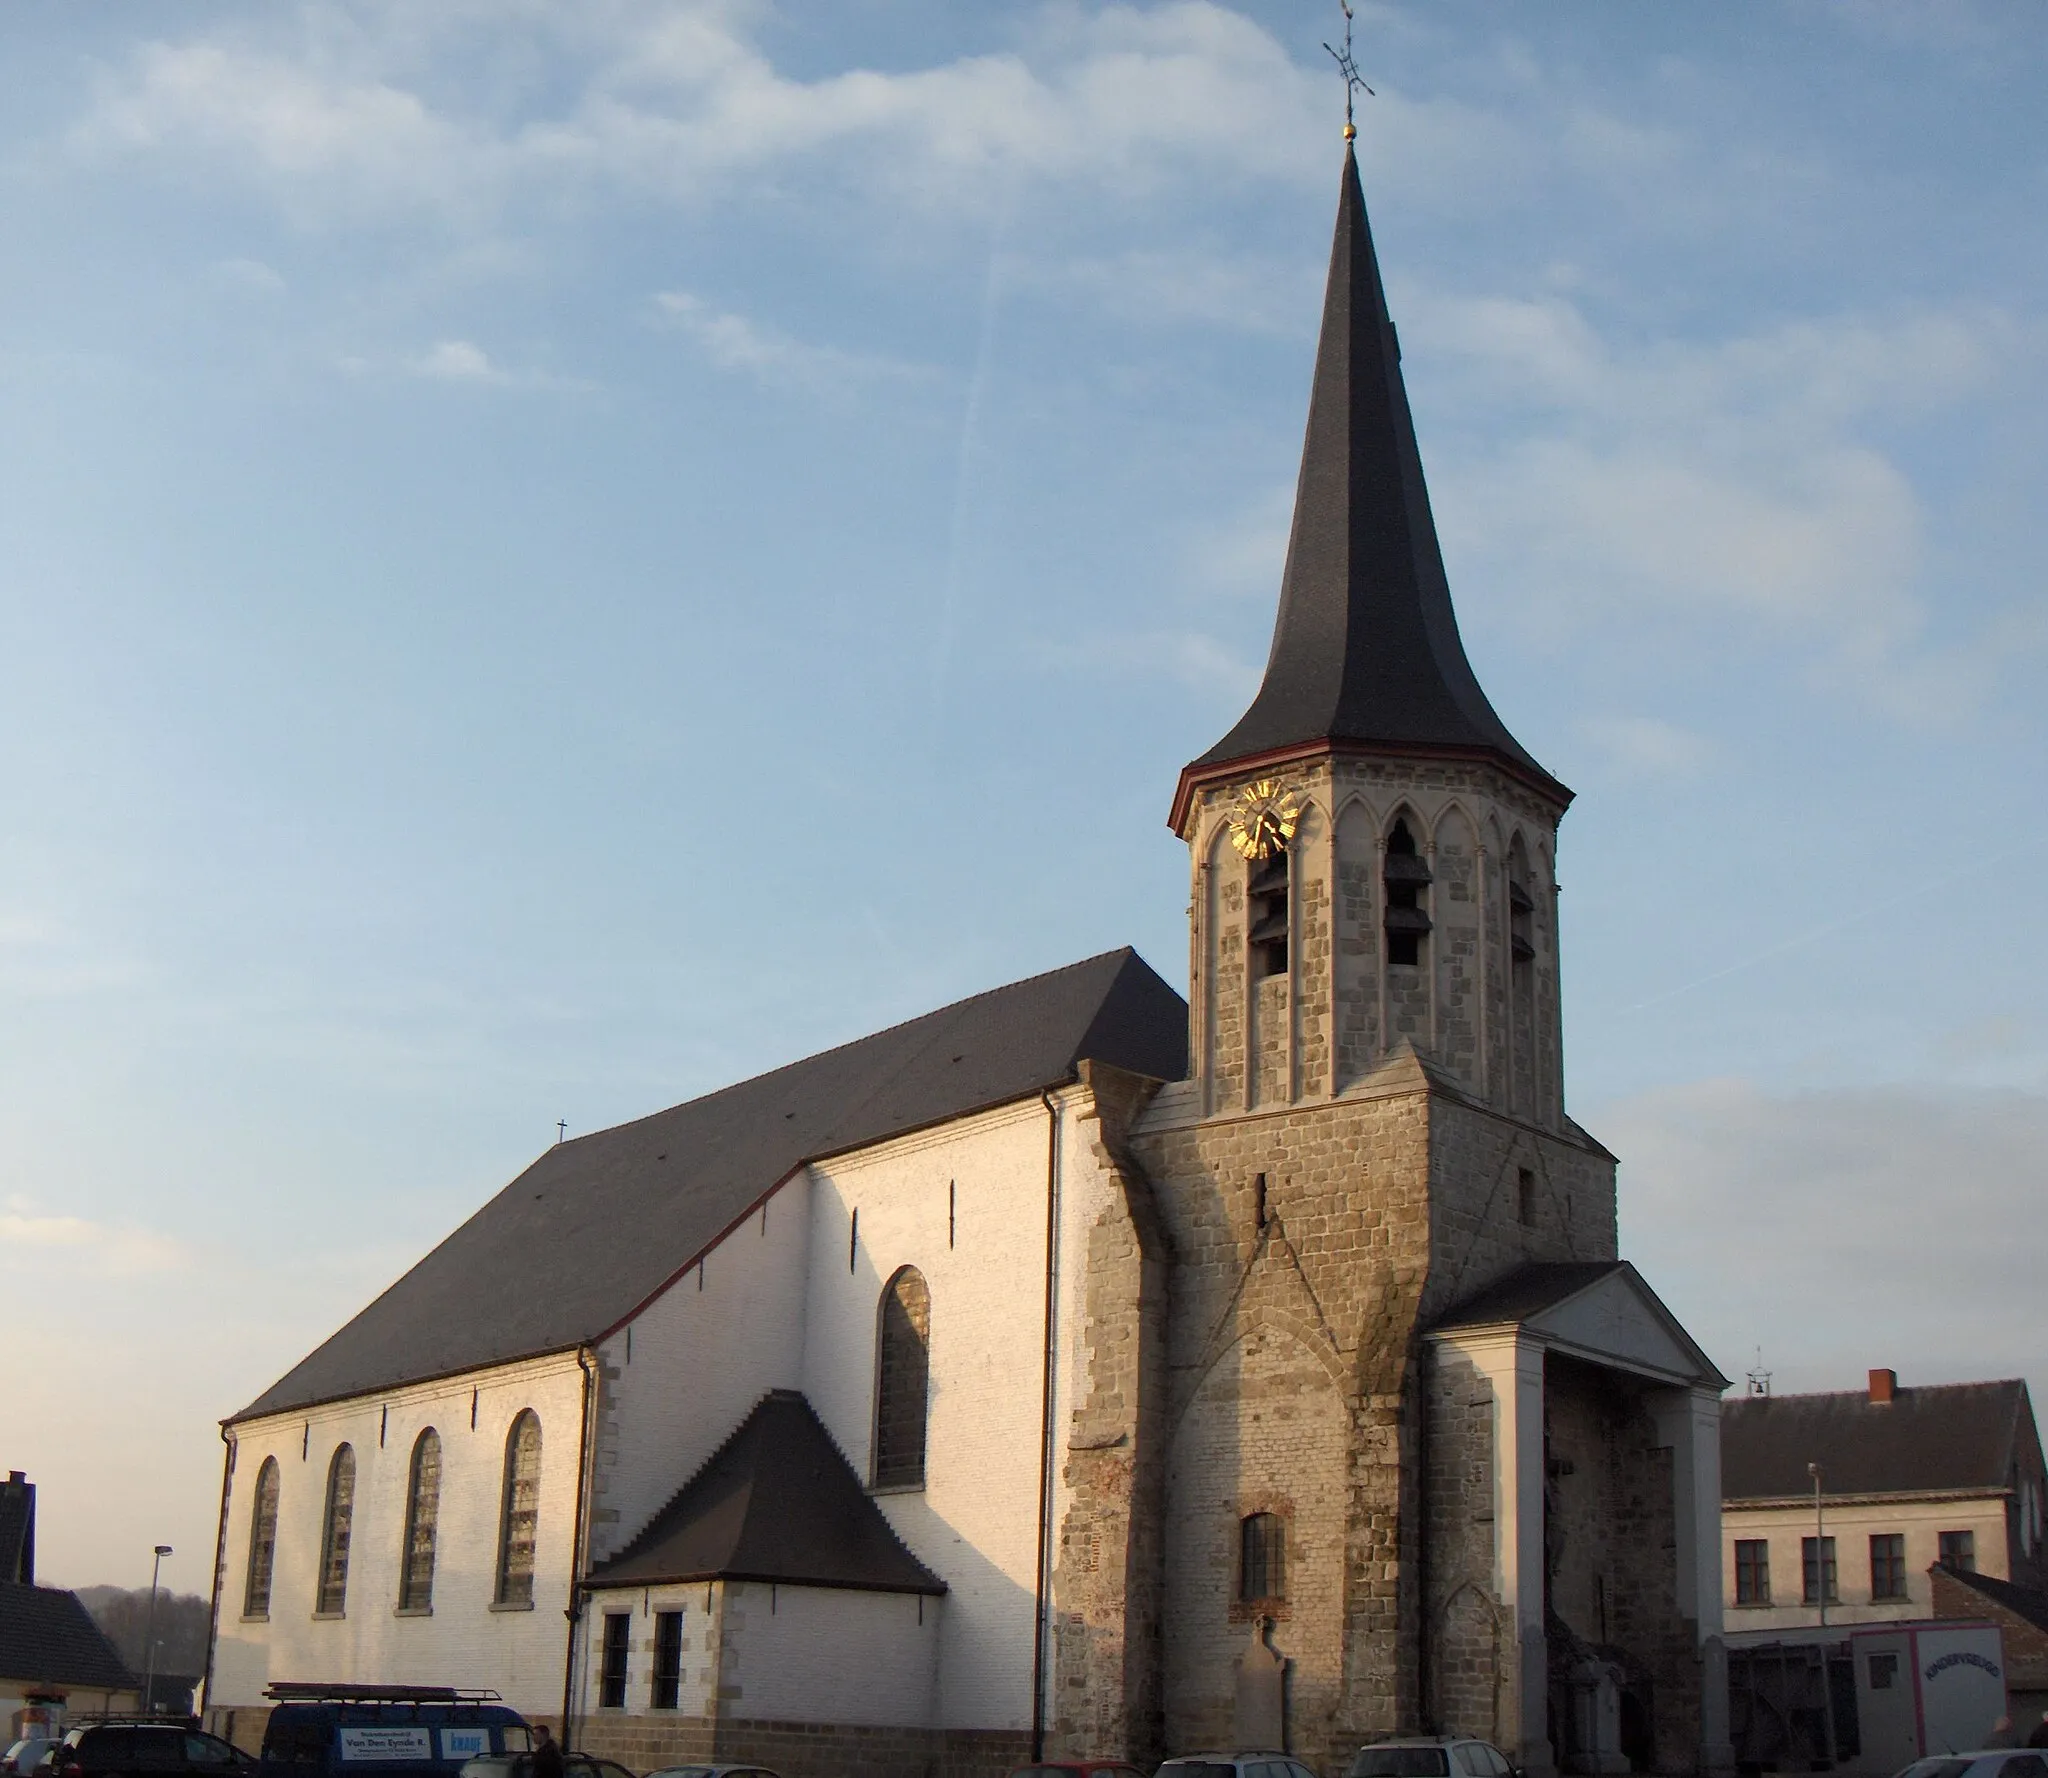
852,1043
1863,1395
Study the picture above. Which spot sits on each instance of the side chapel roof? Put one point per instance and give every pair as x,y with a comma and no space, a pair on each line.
776,1502
1366,651
1943,1438
598,1225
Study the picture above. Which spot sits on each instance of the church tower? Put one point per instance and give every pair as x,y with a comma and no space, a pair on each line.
1419,1445
1373,851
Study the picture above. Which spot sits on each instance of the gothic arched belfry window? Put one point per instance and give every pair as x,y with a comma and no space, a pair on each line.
422,1521
337,1527
1407,887
519,1520
903,1381
262,1542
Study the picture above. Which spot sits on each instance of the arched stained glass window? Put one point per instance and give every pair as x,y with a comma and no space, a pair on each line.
902,1381
336,1526
422,1519
262,1542
1262,1559
519,1522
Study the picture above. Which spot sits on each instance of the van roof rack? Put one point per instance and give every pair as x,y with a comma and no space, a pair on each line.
302,1691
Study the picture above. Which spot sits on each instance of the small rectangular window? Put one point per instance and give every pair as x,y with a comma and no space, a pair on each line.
668,1659
1959,1551
1888,1565
611,1688
1817,1569
1525,1195
1884,1672
1752,1571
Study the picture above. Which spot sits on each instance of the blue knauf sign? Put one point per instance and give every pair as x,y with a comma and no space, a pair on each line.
465,1743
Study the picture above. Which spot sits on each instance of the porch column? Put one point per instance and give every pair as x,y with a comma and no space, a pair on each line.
1689,1426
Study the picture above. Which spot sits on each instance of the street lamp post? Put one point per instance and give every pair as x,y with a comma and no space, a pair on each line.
149,1651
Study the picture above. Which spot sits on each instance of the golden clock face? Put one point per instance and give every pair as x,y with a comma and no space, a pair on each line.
1264,820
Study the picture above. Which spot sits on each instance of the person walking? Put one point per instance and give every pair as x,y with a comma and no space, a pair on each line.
547,1756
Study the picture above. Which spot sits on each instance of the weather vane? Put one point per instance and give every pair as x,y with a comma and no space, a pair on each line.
1354,82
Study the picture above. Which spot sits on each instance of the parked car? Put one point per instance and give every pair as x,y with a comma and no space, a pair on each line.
139,1746
1431,1756
1254,1763
1993,1762
20,1759
1072,1768
713,1772
574,1765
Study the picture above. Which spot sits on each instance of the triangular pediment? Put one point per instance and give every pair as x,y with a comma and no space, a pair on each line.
1597,1310
1618,1321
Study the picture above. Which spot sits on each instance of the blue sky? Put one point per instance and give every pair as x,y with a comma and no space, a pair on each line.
553,557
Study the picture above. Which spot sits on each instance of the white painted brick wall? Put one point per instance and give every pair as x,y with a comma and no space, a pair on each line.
464,1642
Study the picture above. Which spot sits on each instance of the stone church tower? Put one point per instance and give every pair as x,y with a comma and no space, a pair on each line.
1379,1435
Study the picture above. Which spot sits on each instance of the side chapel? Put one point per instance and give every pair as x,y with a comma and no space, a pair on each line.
1075,1371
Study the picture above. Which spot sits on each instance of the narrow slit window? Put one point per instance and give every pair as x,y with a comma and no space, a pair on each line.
1525,1196
337,1525
422,1524
1262,1558
668,1660
262,1542
611,1685
519,1521
903,1381
1407,891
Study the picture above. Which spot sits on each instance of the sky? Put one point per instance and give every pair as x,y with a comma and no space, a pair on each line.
556,556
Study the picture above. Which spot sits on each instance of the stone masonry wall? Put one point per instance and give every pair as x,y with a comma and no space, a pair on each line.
1471,1669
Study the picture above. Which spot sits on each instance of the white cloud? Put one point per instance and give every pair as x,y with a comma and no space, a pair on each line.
1844,1229
73,1243
249,276
458,361
1746,478
338,107
735,343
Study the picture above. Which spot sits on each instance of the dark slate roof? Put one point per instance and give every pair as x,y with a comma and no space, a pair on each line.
18,1529
2027,1603
48,1637
1366,649
1527,1291
598,1225
776,1502
1947,1438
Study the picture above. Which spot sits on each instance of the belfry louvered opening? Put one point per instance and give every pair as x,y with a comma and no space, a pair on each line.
1407,893
1266,896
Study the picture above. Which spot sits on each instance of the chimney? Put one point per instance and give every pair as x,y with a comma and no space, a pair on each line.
1883,1386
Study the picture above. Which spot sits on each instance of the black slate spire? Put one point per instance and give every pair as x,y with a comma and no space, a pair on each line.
1366,652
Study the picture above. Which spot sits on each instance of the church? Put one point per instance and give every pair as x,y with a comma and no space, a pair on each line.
1075,1370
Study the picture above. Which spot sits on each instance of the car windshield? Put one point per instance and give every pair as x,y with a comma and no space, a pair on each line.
1399,1762
1937,1768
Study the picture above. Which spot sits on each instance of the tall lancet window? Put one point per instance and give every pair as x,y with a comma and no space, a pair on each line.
1407,886
422,1520
903,1368
1267,894
262,1542
1262,828
519,1515
337,1526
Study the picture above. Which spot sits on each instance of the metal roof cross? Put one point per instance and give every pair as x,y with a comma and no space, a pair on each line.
1347,65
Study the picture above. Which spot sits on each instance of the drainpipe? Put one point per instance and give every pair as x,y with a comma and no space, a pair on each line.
1045,1430
579,1548
220,1556
1425,1667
